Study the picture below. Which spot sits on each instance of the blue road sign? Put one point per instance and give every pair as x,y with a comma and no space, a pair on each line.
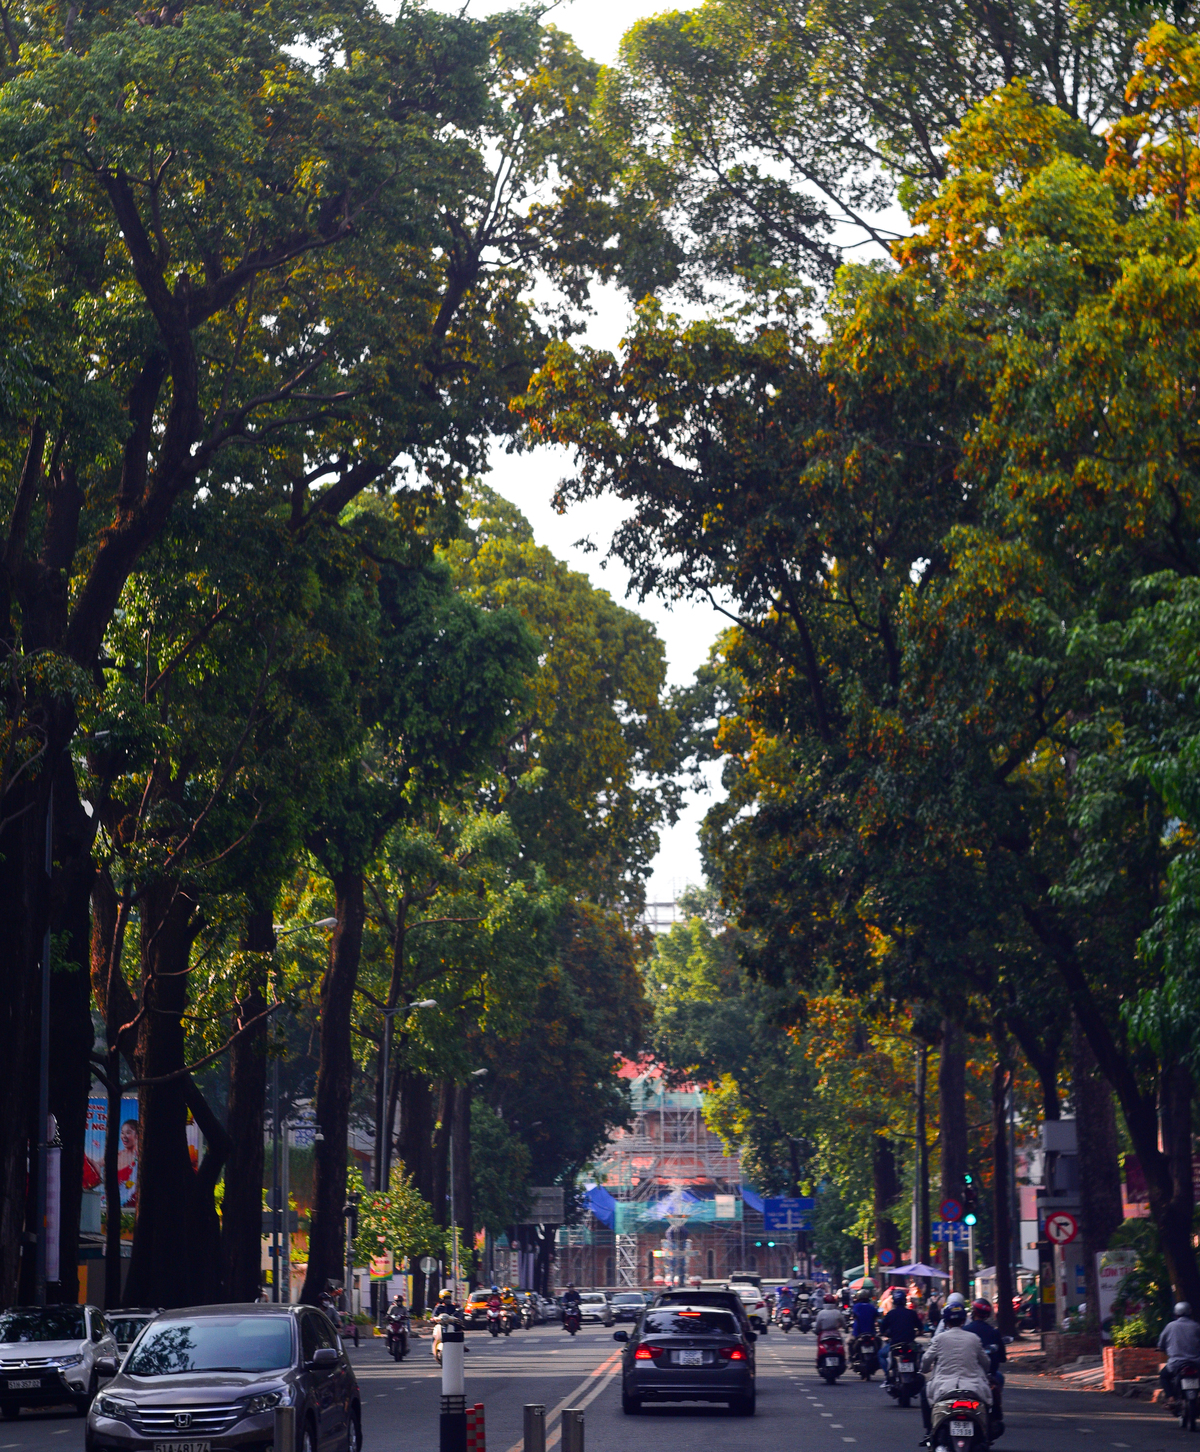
949,1232
783,1212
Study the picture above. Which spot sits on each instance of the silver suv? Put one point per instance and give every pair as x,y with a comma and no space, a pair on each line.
208,1379
50,1354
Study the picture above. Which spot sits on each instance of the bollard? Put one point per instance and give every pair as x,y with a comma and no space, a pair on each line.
453,1383
453,1429
285,1429
476,1432
572,1430
535,1428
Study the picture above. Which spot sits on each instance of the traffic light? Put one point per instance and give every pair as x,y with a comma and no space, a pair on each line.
770,1244
968,1198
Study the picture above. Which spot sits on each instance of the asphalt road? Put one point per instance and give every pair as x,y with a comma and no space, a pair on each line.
795,1408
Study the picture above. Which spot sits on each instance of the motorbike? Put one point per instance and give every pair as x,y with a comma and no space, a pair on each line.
1187,1390
787,1319
396,1335
493,1322
439,1325
903,1373
865,1360
526,1316
571,1319
960,1423
804,1319
831,1357
508,1319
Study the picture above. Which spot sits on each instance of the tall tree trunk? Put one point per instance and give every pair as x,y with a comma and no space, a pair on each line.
241,1209
441,1151
952,1109
175,1206
1175,1210
1006,1320
463,1198
885,1191
1101,1211
414,1138
335,1074
921,1249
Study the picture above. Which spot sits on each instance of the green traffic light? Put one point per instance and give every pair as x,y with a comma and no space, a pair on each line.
770,1243
968,1179
969,1220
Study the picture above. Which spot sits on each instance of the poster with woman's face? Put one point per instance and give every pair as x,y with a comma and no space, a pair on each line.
95,1135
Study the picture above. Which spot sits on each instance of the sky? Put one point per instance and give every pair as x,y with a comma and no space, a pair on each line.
528,480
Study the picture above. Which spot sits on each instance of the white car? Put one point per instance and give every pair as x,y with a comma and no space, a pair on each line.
756,1306
595,1306
48,1355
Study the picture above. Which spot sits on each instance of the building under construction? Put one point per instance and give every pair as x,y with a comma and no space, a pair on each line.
668,1204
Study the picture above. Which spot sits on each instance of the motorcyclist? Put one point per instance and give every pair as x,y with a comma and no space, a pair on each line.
444,1306
829,1320
955,1301
900,1324
494,1303
980,1325
955,1361
1180,1340
785,1300
570,1302
864,1318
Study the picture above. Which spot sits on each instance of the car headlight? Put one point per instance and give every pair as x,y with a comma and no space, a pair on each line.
115,1407
265,1401
62,1362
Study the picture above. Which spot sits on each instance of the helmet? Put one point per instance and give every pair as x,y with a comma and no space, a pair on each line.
443,1295
956,1298
829,1301
495,1290
1183,1308
898,1296
981,1309
570,1285
863,1295
954,1315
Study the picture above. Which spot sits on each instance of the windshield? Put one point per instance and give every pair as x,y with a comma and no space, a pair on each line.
57,1323
126,1328
689,1323
749,1293
628,1299
216,1343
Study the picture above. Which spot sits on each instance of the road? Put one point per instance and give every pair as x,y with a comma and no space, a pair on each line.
400,1405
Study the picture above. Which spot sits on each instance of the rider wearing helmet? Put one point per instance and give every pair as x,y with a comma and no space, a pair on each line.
829,1319
955,1301
1180,1340
864,1318
955,1361
900,1324
980,1325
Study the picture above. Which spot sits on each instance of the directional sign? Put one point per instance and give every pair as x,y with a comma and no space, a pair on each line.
949,1232
887,1257
950,1210
784,1212
1061,1227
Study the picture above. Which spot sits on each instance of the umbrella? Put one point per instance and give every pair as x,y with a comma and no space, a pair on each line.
917,1269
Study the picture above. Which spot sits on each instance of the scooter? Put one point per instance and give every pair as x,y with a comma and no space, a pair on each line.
804,1319
903,1373
1187,1389
493,1322
526,1316
396,1335
866,1357
571,1319
960,1423
507,1319
831,1357
787,1319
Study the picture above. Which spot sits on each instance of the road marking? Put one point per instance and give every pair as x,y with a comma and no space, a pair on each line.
1115,1444
849,1439
1086,1430
569,1400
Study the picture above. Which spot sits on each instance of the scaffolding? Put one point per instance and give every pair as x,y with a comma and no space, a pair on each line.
627,1261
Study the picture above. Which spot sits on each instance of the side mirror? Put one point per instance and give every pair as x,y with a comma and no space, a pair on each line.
620,1335
324,1356
106,1366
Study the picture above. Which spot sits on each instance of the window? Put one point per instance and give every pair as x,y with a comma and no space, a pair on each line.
754,1262
689,1322
214,1343
650,1266
98,1327
711,1262
55,1323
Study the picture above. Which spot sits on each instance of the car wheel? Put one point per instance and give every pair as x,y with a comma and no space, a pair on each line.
744,1406
354,1435
631,1406
10,1411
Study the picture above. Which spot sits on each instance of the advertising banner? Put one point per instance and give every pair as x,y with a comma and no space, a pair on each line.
94,1136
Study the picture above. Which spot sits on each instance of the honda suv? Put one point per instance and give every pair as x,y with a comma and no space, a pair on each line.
52,1354
209,1379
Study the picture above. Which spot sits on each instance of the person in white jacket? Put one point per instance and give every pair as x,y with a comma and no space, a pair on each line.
830,1320
955,1361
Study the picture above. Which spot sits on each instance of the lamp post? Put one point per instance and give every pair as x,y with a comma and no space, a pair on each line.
276,1269
383,1126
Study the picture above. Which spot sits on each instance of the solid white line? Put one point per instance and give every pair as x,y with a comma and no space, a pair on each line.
569,1400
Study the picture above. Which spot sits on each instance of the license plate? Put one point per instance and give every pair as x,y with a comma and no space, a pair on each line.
689,1358
1189,1383
904,1366
832,1360
183,1447
26,1385
962,1429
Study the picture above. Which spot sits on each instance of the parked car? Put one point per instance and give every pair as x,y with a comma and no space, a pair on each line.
551,1310
52,1354
628,1305
680,1352
595,1306
211,1377
126,1326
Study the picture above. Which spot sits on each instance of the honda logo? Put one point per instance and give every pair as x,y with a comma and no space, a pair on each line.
183,1420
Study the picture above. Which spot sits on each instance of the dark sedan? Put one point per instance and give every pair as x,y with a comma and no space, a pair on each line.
209,1379
683,1353
628,1305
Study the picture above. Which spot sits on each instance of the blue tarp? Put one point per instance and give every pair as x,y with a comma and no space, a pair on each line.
752,1198
602,1205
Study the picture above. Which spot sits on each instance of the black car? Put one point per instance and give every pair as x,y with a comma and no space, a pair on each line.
688,1353
725,1300
627,1305
209,1378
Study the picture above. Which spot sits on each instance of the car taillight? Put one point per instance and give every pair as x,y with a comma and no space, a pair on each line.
732,1353
648,1353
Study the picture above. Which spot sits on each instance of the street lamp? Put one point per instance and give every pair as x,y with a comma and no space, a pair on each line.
281,932
383,1125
